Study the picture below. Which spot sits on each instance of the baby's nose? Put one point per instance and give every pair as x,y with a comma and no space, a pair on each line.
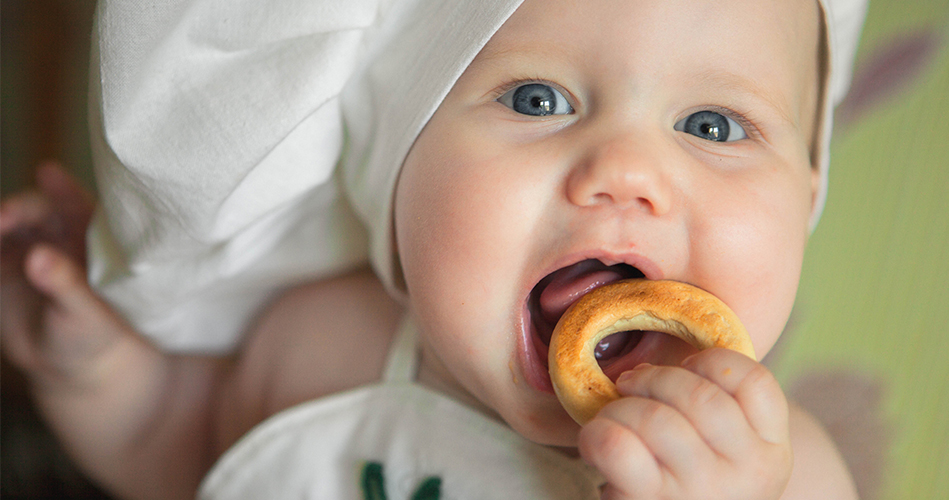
626,171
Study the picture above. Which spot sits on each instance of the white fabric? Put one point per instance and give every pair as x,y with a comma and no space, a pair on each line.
218,125
843,20
317,450
220,130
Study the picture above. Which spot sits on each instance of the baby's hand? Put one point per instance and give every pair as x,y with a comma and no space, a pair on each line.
57,211
717,427
52,323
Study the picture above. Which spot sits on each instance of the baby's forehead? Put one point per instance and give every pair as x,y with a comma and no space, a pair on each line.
721,28
760,47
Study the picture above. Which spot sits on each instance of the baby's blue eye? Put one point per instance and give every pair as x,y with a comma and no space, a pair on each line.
536,99
711,126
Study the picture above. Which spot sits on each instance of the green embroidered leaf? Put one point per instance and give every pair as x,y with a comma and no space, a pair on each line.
430,489
373,483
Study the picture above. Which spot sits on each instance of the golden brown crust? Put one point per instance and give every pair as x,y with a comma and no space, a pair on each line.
678,309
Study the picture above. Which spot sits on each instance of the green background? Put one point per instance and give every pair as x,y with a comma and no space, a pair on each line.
874,299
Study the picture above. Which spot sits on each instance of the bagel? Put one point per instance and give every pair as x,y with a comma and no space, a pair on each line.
671,307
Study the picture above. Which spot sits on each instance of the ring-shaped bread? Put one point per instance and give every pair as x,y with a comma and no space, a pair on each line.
671,307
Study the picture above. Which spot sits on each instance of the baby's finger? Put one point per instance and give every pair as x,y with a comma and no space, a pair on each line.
70,196
667,433
714,413
61,279
23,211
78,326
625,462
751,384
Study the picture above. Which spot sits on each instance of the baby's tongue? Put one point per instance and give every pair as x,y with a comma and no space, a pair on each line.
569,284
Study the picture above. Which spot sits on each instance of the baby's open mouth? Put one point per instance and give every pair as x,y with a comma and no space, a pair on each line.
554,294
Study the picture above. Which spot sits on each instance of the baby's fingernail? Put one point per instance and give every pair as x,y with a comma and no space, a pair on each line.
688,361
628,374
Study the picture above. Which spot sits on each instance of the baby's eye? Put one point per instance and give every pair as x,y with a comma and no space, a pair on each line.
536,99
711,126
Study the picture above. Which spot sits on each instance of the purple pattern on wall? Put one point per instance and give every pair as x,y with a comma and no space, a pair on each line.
888,71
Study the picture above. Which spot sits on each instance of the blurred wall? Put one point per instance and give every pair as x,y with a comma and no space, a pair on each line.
44,47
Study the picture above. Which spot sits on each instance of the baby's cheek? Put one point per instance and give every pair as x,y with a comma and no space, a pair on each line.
443,263
755,269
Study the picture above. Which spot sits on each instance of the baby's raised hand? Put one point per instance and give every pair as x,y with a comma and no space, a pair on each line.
52,323
57,212
716,427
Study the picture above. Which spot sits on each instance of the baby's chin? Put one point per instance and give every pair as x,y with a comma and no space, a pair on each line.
505,398
545,424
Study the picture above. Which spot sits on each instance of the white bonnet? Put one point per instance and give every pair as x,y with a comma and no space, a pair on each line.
420,52
843,23
218,127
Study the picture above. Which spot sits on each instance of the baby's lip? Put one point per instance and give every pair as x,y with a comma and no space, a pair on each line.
554,294
551,297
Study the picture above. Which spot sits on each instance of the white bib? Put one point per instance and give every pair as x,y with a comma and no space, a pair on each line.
395,437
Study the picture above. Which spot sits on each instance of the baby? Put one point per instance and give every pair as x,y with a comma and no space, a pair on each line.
586,143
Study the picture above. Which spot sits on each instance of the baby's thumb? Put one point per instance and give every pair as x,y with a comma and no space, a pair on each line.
60,278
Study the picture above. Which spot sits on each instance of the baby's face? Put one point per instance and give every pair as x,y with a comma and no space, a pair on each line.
591,141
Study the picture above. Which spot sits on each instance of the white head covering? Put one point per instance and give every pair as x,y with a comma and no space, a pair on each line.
394,94
843,23
218,124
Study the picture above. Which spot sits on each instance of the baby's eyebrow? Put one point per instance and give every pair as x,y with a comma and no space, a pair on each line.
497,53
727,81
494,51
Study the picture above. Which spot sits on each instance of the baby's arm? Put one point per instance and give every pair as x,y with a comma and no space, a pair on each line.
819,469
136,420
320,338
142,423
133,419
717,427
